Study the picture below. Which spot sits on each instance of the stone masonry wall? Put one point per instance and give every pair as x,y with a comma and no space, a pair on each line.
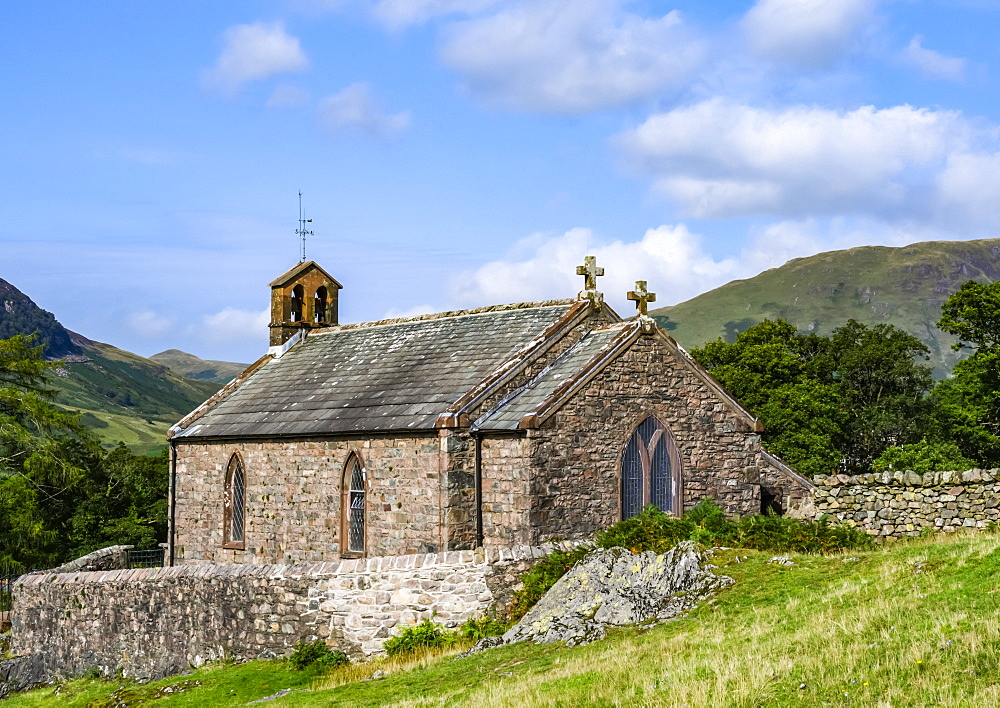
576,453
293,496
153,622
901,503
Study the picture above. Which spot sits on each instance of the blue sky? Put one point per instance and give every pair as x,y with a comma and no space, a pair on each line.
456,153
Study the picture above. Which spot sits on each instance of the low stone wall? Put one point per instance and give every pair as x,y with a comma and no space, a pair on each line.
153,622
901,503
110,558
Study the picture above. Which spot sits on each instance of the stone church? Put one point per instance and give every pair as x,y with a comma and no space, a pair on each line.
504,425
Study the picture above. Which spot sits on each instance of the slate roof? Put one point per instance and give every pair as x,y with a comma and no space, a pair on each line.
568,366
398,375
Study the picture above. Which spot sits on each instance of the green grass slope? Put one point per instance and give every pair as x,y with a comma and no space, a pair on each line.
903,286
913,624
220,372
125,396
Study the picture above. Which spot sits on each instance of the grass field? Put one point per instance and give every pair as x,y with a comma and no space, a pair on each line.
915,624
145,436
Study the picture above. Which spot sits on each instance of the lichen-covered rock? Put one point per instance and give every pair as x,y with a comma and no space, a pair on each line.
614,587
21,673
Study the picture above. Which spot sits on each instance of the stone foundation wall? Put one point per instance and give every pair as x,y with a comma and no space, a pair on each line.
153,622
902,503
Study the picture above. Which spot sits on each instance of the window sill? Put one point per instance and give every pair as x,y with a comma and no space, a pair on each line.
352,554
234,546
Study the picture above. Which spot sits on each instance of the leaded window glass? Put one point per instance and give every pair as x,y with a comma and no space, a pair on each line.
356,507
648,474
235,501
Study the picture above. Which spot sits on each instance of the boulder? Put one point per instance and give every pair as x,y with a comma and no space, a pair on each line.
613,587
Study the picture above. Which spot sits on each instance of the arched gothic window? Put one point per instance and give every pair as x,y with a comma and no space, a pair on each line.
353,504
650,470
298,295
319,306
234,500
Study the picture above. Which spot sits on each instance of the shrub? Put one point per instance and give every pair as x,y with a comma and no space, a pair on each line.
707,524
308,653
476,629
779,534
425,635
923,457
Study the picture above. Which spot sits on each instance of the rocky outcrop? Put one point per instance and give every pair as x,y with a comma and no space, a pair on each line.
616,588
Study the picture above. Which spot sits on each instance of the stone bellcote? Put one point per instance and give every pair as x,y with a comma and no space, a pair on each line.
304,297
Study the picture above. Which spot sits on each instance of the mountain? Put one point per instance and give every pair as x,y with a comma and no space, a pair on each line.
220,372
19,315
121,396
903,286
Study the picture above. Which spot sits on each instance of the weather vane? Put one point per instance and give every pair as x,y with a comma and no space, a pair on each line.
302,232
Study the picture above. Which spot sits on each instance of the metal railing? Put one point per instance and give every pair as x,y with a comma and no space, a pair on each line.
149,558
7,591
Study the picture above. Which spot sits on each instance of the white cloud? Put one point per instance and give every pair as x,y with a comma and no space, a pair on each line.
933,65
251,53
723,159
233,325
397,14
286,95
969,192
807,33
670,258
149,325
355,110
557,57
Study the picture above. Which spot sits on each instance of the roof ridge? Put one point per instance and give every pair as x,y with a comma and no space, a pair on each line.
444,315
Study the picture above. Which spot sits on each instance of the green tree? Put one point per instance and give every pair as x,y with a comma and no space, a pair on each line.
968,410
884,387
972,314
783,377
824,400
61,495
39,456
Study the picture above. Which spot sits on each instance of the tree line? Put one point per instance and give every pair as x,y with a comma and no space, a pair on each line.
61,494
862,399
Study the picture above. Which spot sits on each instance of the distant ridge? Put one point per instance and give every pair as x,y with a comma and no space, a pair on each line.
220,372
903,286
122,396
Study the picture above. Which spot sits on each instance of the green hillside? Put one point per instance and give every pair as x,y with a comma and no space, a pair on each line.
912,624
125,396
903,286
220,372
121,396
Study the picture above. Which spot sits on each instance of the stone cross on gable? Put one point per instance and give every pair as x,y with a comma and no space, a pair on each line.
642,297
590,271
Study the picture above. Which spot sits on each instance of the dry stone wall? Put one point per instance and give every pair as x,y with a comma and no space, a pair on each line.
902,503
153,622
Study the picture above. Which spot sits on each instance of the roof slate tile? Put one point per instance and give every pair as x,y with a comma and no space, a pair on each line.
397,376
